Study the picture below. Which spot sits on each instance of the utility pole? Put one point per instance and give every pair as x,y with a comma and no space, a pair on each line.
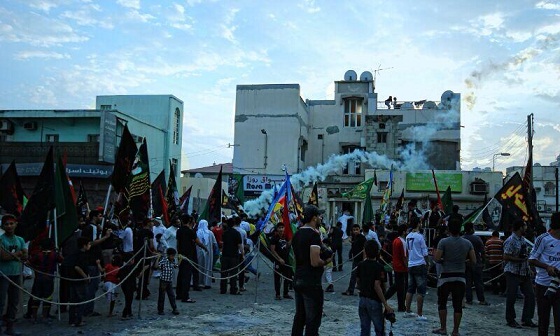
530,118
557,189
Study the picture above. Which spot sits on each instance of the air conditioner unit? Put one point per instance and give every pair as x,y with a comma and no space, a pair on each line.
6,125
30,125
479,188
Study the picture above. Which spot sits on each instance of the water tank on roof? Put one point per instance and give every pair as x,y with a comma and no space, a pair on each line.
407,106
430,105
447,97
366,76
350,76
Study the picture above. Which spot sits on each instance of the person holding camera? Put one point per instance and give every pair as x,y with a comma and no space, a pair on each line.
309,271
518,274
370,276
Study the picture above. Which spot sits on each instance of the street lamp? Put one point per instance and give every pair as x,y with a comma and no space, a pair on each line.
263,131
494,159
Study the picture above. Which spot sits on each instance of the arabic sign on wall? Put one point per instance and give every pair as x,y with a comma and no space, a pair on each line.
107,137
425,181
256,184
73,170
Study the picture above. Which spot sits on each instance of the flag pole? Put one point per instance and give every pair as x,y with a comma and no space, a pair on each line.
482,211
106,205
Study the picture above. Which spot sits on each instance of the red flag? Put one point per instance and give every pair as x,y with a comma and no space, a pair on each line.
184,201
164,213
439,202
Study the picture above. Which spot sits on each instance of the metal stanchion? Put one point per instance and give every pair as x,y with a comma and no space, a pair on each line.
140,295
257,256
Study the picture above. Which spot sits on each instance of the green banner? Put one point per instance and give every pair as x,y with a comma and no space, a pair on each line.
425,181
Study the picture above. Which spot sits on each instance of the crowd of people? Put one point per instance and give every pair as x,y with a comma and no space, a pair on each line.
189,254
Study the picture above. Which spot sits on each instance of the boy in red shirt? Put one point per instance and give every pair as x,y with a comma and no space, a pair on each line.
111,281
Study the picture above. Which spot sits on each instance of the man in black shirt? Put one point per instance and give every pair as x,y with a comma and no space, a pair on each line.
280,249
336,244
309,271
77,268
357,255
371,276
186,246
231,250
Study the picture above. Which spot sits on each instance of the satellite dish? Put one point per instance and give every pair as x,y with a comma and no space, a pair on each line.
366,76
198,175
350,76
447,97
430,105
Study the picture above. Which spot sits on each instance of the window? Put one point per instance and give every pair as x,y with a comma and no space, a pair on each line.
382,185
176,126
549,189
51,138
381,137
303,150
105,107
93,138
353,112
352,167
174,163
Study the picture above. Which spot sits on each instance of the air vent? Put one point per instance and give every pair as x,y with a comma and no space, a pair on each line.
30,125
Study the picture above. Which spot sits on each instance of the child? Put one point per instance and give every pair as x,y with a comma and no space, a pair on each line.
43,285
167,265
111,281
370,276
161,247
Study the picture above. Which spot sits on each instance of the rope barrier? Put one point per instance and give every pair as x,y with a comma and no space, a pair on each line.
241,270
65,303
56,276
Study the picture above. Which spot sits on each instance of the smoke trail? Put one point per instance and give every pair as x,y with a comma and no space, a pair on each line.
411,159
478,77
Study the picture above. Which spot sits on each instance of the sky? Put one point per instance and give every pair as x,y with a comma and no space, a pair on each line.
502,56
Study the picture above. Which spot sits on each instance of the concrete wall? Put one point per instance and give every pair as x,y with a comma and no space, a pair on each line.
279,111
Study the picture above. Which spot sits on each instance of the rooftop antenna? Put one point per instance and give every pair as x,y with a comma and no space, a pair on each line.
375,73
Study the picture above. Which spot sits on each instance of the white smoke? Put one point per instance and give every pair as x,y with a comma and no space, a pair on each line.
411,159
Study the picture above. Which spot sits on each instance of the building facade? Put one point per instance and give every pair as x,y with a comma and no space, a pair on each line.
275,129
89,139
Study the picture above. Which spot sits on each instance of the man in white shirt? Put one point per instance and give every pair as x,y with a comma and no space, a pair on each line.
127,241
417,270
157,228
344,220
546,257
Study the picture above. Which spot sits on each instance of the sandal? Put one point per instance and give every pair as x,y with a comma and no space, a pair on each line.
189,301
439,331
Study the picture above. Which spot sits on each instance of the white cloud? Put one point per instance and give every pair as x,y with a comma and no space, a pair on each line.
487,25
43,5
24,55
228,28
134,4
84,17
37,30
548,5
309,6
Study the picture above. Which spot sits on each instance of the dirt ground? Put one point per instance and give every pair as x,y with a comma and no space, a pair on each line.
257,313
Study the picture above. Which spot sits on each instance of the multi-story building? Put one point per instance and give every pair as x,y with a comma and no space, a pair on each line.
276,129
89,138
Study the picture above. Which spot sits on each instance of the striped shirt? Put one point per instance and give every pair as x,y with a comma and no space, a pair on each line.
516,246
494,250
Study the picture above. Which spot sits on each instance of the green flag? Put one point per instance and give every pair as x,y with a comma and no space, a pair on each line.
447,202
367,216
362,190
